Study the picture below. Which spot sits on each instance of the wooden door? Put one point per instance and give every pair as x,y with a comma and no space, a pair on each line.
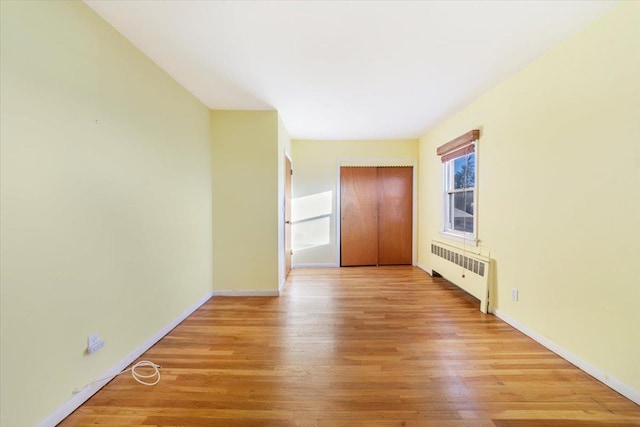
287,216
395,218
359,216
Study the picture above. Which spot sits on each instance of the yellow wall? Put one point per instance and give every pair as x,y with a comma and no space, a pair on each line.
559,192
105,205
245,211
315,165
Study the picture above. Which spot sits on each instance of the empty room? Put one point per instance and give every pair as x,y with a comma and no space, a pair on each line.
319,213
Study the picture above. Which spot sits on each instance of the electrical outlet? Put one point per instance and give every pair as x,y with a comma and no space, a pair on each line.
94,343
514,294
97,346
93,340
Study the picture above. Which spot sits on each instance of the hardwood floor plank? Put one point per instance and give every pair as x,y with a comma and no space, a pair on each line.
374,346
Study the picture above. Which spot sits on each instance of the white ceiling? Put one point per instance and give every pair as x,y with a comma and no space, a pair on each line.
346,69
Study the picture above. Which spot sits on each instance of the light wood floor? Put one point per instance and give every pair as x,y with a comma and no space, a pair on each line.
356,347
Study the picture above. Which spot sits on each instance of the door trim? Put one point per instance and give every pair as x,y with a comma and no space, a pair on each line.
281,222
381,162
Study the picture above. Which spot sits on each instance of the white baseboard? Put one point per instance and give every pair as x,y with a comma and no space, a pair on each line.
597,373
316,265
250,293
84,395
425,268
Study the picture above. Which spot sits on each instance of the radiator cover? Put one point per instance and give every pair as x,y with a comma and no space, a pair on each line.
468,271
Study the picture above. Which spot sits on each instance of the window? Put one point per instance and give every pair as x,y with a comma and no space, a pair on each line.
459,186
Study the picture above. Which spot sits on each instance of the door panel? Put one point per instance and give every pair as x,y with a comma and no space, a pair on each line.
359,216
395,207
287,216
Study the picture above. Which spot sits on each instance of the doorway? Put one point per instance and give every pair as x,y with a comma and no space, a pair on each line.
288,175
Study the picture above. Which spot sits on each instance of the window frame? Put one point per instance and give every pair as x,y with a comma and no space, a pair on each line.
448,184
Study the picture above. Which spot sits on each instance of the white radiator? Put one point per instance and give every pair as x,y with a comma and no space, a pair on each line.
467,270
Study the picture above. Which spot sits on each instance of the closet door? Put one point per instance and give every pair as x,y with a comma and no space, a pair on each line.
359,216
395,210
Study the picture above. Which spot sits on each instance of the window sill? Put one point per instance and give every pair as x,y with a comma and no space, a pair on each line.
470,241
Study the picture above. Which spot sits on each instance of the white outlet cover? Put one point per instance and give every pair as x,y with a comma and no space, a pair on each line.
93,340
514,294
97,346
